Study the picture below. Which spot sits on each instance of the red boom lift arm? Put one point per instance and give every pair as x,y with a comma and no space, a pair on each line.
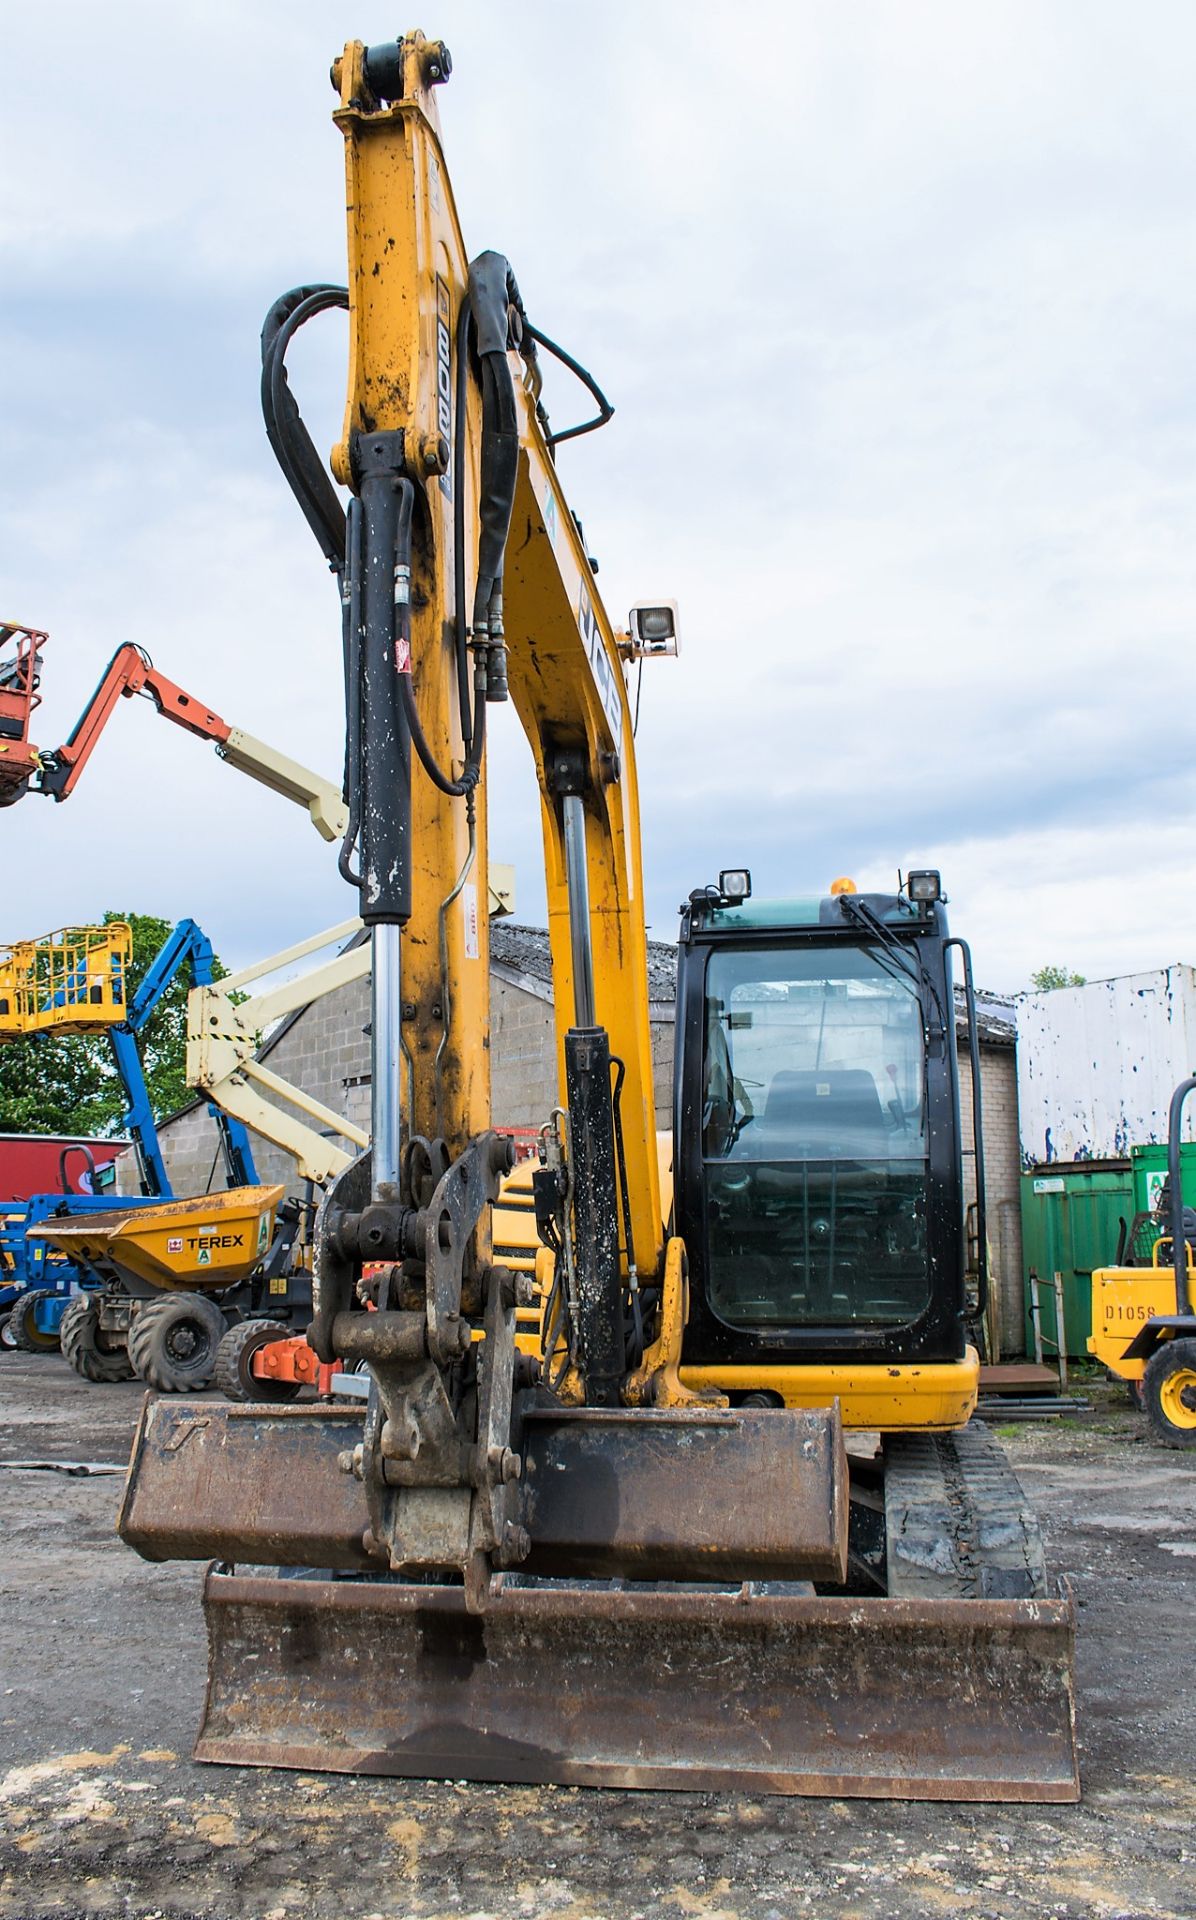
131,671
128,672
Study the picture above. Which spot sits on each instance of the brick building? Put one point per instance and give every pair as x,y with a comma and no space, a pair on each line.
325,1049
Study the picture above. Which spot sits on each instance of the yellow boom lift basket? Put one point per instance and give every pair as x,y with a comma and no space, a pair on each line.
72,981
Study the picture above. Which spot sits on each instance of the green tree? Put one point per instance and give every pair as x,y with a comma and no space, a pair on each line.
1046,979
69,1084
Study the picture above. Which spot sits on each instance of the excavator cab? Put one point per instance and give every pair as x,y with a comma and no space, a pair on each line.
818,1170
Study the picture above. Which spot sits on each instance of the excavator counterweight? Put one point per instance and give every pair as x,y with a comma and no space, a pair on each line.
637,1536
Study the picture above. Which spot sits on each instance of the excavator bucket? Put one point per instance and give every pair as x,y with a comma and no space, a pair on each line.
720,1666
213,1241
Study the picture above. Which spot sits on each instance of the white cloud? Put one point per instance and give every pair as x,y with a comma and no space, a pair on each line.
894,305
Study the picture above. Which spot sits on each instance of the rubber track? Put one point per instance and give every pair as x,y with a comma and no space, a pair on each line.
956,1520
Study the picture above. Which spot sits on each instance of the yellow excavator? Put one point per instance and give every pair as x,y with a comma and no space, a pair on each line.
729,1525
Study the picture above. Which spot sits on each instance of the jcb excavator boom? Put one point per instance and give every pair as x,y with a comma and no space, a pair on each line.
574,1565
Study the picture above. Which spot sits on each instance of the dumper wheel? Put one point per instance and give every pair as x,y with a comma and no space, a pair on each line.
95,1355
7,1340
234,1377
1169,1393
173,1342
23,1329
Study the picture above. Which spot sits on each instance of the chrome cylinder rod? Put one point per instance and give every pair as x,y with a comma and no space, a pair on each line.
578,882
386,1015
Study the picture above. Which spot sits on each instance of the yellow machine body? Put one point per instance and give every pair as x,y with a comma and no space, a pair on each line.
184,1246
1123,1300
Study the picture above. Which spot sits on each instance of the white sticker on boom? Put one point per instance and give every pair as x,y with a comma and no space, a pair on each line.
469,906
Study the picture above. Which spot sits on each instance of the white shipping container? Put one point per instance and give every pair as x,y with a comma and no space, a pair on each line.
1097,1065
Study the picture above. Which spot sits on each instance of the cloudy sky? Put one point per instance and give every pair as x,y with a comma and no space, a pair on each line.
895,303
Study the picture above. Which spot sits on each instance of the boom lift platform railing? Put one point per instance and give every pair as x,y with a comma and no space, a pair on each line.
72,981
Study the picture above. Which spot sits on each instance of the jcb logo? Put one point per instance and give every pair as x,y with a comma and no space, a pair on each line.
444,377
600,666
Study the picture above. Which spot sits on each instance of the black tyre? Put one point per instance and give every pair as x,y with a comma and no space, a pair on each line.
95,1355
1169,1393
7,1340
173,1342
23,1329
234,1360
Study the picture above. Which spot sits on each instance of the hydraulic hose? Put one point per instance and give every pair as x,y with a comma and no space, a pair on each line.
292,444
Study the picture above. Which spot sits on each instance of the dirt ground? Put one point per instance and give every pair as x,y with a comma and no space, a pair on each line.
102,1812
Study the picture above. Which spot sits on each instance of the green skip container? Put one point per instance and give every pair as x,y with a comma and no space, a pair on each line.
1071,1215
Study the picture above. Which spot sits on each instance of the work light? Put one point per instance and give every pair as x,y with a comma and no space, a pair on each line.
735,885
654,627
925,887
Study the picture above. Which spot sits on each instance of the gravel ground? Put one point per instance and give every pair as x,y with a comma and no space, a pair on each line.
101,1811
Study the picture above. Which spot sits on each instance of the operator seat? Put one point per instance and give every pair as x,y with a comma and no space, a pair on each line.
822,1114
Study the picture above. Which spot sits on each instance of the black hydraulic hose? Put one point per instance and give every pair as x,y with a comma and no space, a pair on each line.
605,410
468,780
285,430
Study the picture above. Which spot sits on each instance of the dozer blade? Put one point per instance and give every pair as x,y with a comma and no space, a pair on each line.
578,1684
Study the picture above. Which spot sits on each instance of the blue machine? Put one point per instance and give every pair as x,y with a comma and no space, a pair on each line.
37,1284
